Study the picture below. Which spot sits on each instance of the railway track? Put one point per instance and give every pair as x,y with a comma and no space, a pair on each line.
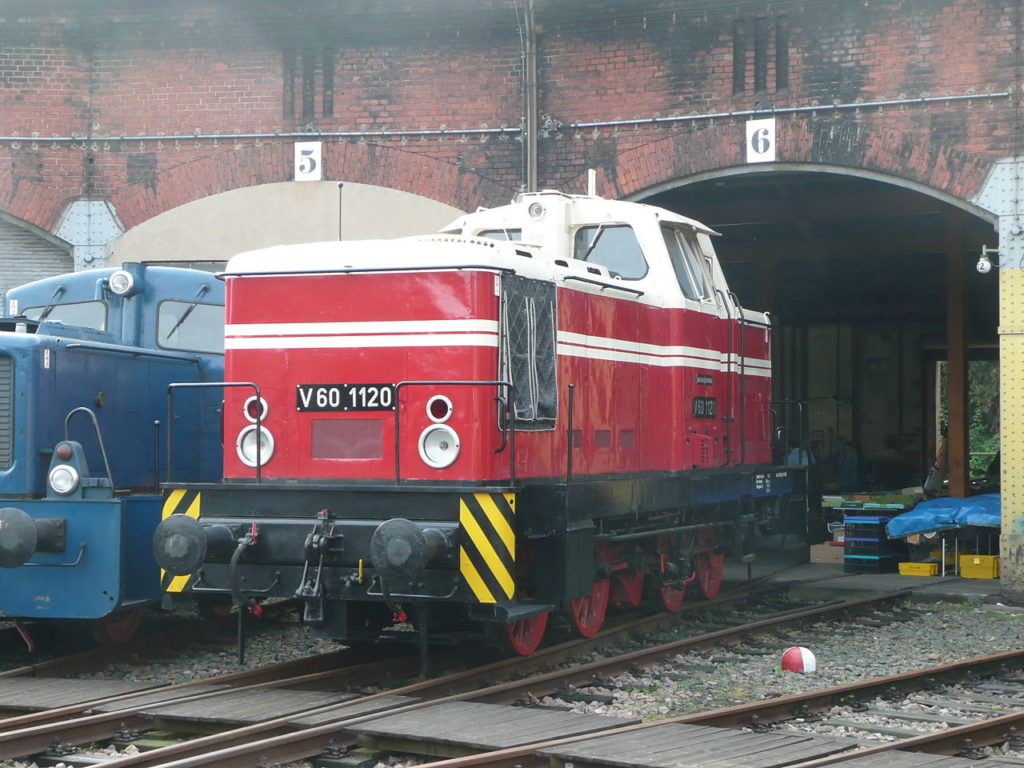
309,731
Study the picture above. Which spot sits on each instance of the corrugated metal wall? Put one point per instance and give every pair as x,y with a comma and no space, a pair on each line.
26,256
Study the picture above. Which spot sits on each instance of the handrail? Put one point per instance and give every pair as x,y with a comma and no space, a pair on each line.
99,437
507,425
184,355
208,384
603,285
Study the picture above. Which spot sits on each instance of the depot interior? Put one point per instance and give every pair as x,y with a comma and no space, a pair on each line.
865,282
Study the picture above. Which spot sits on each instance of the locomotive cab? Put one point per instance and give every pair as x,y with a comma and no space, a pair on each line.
85,363
547,408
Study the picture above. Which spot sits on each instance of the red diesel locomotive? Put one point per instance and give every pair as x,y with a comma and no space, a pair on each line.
549,407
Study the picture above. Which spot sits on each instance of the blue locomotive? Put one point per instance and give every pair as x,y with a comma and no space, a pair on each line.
85,363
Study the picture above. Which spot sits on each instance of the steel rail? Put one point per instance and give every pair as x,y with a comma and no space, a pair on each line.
97,727
238,748
26,734
986,732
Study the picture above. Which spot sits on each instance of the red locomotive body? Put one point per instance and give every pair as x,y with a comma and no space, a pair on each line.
542,408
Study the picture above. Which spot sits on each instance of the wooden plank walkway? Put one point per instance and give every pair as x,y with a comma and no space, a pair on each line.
675,745
34,694
897,759
355,709
148,699
245,707
461,728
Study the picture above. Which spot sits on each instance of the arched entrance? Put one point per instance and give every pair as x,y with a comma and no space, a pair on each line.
872,286
216,227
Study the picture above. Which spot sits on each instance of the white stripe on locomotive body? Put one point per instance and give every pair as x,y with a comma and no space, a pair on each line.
352,342
383,327
476,333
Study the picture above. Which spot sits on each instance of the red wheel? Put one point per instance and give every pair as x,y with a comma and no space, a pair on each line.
587,613
710,566
670,597
667,593
627,583
117,628
627,588
523,637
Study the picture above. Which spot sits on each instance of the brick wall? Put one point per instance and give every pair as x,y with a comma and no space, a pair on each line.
107,71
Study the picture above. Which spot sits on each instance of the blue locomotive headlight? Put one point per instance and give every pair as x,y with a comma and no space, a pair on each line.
439,446
246,443
64,479
122,283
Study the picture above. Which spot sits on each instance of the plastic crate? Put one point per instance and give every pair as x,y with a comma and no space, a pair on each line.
865,527
878,547
919,569
867,564
979,566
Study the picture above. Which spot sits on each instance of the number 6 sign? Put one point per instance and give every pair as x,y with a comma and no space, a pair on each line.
308,166
761,140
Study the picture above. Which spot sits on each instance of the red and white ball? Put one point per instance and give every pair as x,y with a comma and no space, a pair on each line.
800,660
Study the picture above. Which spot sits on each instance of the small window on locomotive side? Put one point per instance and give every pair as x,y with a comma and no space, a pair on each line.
688,263
614,246
528,355
81,314
190,326
501,234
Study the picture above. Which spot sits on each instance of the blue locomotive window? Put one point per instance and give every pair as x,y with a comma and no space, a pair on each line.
82,314
611,246
190,326
687,263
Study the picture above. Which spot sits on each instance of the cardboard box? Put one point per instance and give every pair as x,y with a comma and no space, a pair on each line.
826,553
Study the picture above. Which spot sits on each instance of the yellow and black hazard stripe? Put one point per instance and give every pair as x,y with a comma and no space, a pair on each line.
487,554
178,502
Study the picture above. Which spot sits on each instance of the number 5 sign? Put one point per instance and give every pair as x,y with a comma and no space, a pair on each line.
761,140
308,165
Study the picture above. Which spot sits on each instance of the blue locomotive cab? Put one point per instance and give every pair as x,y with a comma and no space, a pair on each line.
85,363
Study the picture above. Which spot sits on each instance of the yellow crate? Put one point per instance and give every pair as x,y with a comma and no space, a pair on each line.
919,569
979,566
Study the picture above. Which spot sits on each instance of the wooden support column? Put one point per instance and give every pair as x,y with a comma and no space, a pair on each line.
957,438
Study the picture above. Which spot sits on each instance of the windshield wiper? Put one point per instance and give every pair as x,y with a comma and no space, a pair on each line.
49,307
187,312
593,244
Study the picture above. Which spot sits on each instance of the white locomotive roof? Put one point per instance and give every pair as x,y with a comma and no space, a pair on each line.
541,240
535,236
419,252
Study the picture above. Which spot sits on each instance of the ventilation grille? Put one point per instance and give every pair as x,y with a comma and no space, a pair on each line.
6,412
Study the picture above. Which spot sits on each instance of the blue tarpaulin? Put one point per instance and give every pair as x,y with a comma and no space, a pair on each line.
947,512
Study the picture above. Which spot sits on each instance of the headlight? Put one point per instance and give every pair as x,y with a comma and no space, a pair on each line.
439,408
63,479
255,408
121,282
246,445
439,446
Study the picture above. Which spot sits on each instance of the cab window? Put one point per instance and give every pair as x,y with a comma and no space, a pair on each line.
82,314
502,234
688,264
613,246
190,326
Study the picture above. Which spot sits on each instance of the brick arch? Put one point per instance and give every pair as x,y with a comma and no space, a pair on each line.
861,148
233,168
33,202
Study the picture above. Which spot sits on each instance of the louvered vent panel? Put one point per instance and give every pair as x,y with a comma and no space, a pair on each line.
6,412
